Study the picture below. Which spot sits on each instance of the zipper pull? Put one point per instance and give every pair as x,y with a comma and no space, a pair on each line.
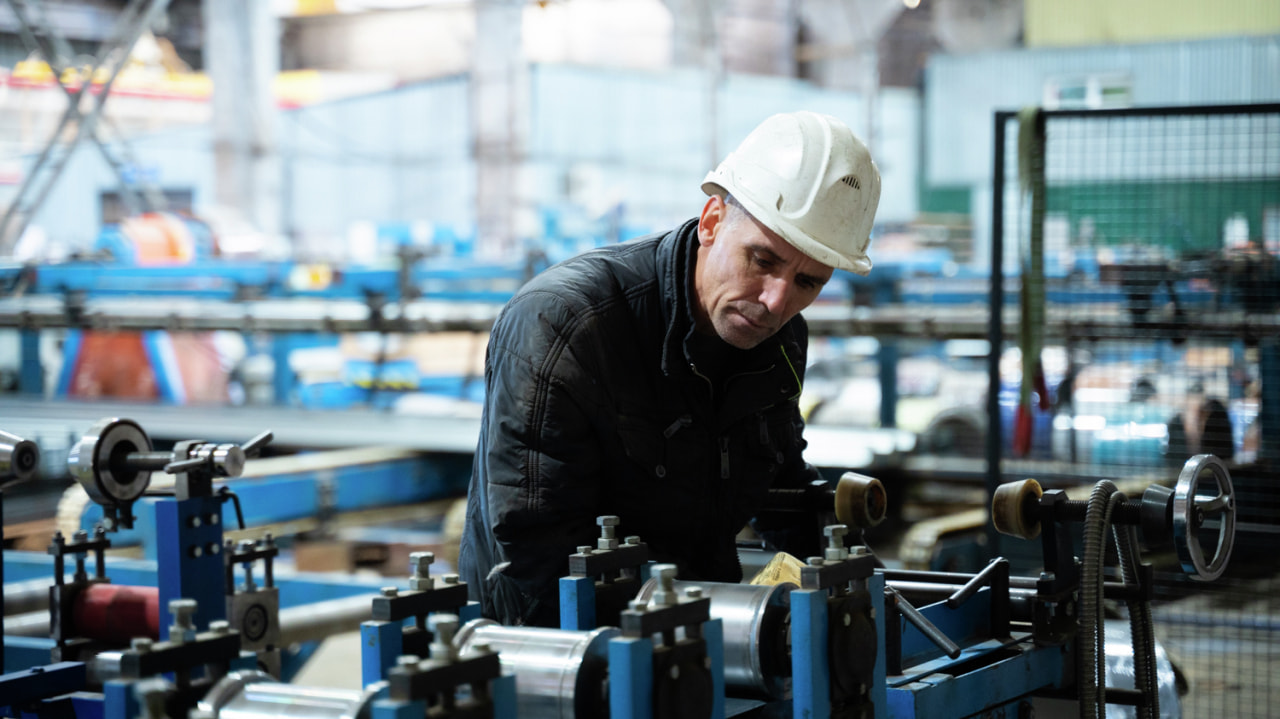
680,423
724,458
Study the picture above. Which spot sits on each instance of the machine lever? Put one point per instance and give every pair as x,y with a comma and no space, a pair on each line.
926,627
252,447
980,580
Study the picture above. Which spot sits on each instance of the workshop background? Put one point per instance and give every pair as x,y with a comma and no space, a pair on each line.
302,216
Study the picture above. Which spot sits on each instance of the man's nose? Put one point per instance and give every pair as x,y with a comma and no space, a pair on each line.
774,295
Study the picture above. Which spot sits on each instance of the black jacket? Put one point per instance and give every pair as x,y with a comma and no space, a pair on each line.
594,406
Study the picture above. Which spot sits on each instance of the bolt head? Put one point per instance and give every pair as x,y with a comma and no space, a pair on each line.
220,626
141,644
632,540
178,607
638,605
407,660
693,592
390,591
585,549
608,520
449,579
420,563
835,530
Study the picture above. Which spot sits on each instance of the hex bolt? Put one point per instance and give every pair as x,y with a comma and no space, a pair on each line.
450,579
80,536
420,571
220,626
213,548
390,592
183,628
407,660
814,561
632,541
141,644
443,627
835,550
637,605
584,549
665,595
608,531
693,592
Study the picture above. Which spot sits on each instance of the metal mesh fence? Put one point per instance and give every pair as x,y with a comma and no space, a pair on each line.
1142,249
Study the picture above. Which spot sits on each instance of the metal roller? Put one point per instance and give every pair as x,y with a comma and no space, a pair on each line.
756,618
255,695
559,673
19,459
116,613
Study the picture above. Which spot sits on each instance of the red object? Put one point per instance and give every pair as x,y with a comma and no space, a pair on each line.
116,613
1022,431
1042,389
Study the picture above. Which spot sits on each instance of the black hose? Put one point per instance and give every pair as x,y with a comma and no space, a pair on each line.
1090,639
1141,627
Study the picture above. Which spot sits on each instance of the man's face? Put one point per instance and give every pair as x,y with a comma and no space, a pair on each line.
749,281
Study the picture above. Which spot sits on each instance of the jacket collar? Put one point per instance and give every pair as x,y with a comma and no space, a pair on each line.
775,357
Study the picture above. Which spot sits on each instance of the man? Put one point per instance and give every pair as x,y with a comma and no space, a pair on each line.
657,380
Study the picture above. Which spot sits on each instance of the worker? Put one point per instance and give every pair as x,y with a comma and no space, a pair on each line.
657,380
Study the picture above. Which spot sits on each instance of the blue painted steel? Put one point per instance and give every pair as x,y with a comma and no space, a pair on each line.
630,678
469,611
164,367
713,634
879,691
294,657
380,644
810,675
40,682
31,374
189,563
287,497
87,705
392,709
295,589
26,652
70,355
119,701
943,694
577,603
503,693
965,624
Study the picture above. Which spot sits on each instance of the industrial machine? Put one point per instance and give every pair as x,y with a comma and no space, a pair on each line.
841,637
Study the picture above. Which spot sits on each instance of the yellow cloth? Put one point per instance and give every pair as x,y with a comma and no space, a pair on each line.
782,568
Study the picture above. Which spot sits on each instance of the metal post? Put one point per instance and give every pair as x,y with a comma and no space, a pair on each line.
995,327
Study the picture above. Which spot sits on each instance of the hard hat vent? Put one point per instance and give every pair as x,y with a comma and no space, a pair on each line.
851,181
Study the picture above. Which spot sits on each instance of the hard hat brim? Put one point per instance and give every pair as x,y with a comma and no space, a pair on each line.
793,235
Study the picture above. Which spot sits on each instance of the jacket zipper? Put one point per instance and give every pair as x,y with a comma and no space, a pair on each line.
724,457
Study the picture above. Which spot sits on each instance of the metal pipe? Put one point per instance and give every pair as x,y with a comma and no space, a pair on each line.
559,673
307,622
925,593
757,653
255,694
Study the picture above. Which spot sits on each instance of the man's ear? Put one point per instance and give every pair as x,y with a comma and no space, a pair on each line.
713,214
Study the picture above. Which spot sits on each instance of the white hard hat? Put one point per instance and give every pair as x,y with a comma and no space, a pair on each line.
808,178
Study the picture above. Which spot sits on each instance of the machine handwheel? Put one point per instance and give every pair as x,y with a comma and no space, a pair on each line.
97,461
1191,510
